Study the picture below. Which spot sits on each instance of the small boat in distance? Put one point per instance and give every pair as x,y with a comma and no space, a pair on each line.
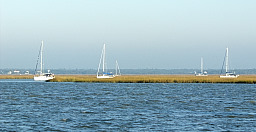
40,75
103,73
203,73
228,74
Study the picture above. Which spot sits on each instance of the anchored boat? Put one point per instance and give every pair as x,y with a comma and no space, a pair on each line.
103,73
40,75
228,73
203,73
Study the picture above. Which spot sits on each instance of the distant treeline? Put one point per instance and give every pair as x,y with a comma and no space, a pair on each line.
130,71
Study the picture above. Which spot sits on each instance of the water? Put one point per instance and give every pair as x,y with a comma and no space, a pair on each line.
26,105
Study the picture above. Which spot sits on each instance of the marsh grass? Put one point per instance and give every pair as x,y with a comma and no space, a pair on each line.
249,79
246,79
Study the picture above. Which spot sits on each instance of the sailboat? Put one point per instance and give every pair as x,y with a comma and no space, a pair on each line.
42,76
228,74
118,73
203,73
103,73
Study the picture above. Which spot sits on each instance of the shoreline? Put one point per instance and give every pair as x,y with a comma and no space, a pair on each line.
182,78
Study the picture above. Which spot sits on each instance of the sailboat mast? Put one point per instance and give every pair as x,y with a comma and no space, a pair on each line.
42,46
226,60
202,70
116,67
104,52
101,57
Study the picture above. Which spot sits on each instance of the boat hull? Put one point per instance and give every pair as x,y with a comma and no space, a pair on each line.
229,76
104,76
43,78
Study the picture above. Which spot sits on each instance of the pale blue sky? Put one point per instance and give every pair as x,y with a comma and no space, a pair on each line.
138,33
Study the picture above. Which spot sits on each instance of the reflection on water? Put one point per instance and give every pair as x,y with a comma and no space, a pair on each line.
27,105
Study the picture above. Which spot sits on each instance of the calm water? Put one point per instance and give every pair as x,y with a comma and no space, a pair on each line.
27,106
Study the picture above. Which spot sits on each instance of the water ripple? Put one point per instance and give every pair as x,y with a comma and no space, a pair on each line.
34,106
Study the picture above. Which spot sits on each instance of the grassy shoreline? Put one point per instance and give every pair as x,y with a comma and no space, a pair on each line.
246,79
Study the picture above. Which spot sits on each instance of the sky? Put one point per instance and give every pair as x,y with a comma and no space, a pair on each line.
158,34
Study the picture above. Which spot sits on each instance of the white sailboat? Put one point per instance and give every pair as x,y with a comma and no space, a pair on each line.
203,73
103,73
228,74
118,73
41,76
